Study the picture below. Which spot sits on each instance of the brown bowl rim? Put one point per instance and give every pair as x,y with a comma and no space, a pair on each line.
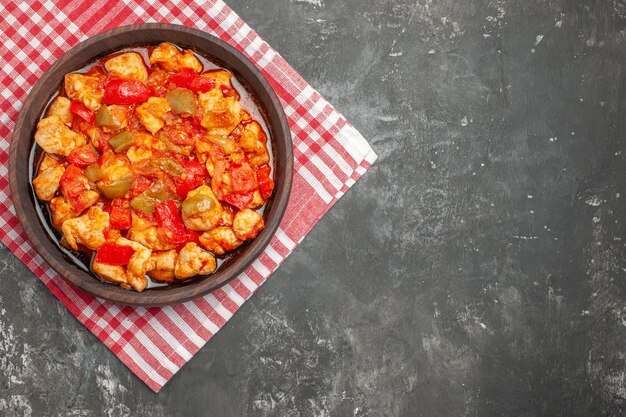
267,98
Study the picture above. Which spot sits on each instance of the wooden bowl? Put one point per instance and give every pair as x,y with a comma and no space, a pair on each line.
21,171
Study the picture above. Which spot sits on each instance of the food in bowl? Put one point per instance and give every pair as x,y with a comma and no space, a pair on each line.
154,164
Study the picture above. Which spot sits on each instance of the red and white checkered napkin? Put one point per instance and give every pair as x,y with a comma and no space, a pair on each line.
330,155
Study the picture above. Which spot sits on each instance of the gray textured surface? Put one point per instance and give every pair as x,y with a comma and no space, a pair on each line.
476,270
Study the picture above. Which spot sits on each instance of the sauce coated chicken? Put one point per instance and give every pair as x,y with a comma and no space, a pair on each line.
152,166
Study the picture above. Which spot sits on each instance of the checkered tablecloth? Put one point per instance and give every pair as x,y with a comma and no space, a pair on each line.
330,155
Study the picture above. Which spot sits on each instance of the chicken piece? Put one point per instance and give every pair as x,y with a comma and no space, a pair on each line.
210,154
257,200
48,181
192,260
48,161
120,114
220,114
111,273
245,115
147,141
55,137
227,218
157,81
247,224
221,78
61,107
87,89
203,150
148,234
152,112
170,58
189,60
114,168
138,264
162,265
220,240
128,65
87,229
137,154
251,137
61,210
201,210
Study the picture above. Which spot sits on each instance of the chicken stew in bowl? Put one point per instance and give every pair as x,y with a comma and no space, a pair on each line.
153,164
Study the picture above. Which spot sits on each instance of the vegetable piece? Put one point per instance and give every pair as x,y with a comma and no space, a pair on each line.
149,199
82,156
266,184
93,172
172,147
122,141
197,204
191,236
196,174
243,179
121,91
113,254
105,118
120,216
187,78
80,110
118,188
168,218
227,144
145,167
73,182
140,185
195,124
240,201
170,166
182,101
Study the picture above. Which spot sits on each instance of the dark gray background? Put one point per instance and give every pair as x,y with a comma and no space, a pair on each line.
476,270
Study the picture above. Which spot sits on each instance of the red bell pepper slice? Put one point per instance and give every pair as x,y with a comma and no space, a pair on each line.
73,182
195,124
120,217
82,156
192,236
243,178
113,254
187,78
168,218
83,112
266,184
140,185
121,91
195,177
241,201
